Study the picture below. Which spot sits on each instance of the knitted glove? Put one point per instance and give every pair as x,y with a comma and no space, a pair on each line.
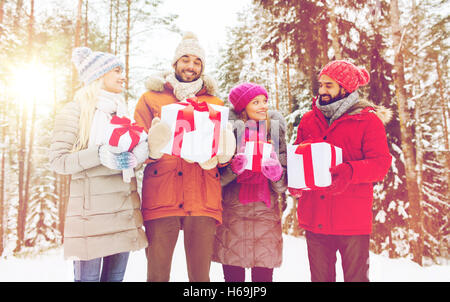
209,164
116,161
158,137
341,176
227,144
238,163
271,168
295,192
141,152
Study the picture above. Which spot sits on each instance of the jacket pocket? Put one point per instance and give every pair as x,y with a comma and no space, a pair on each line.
305,210
212,190
353,210
159,185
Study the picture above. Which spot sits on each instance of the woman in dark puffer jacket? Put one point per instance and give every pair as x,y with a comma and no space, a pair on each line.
251,236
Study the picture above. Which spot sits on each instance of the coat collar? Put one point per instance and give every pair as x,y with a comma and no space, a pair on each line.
363,106
157,82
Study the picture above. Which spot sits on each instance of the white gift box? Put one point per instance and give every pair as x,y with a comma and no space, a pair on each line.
255,155
308,167
122,135
197,136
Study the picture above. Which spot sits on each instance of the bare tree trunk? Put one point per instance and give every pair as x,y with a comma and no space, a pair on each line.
275,55
21,165
17,17
57,200
31,29
78,23
116,38
2,194
277,99
407,140
86,29
3,127
110,25
334,31
288,82
418,62
2,12
444,119
391,245
76,44
419,148
22,208
29,162
127,52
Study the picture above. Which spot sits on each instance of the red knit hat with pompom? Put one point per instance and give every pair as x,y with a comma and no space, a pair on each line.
346,74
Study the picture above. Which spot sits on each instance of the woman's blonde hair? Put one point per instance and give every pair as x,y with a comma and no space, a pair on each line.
87,97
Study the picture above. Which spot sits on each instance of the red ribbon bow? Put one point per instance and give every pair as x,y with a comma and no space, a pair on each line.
186,123
125,126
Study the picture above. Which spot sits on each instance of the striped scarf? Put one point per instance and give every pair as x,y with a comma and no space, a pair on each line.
254,185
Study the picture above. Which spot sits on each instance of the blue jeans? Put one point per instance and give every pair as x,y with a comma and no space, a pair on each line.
112,270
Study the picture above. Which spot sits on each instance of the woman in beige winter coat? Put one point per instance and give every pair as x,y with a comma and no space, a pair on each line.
250,236
103,219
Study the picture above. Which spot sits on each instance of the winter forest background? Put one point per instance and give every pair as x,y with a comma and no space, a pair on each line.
279,44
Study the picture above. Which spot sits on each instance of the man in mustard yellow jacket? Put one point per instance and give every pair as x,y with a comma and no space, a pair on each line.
177,194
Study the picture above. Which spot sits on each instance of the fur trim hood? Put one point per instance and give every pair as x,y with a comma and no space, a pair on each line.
156,82
383,113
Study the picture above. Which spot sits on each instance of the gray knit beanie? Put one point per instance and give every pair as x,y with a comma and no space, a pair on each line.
189,45
92,65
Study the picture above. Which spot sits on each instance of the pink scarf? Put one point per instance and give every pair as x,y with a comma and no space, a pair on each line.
254,185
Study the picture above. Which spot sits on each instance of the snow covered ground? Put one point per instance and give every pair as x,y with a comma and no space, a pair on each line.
52,267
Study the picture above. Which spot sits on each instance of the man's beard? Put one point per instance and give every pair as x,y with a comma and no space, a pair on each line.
340,96
179,78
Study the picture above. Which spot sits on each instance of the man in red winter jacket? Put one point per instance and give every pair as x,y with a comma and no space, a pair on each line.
339,218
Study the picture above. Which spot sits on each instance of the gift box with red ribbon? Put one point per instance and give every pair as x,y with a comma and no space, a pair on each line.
196,128
123,135
308,165
255,153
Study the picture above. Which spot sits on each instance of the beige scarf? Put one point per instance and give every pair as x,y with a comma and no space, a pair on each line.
183,90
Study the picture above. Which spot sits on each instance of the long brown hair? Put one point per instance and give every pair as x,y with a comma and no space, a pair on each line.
244,117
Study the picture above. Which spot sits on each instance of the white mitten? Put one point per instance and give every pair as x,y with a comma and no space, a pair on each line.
158,138
209,164
227,144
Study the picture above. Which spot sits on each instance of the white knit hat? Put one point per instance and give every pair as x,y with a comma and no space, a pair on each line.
92,65
189,45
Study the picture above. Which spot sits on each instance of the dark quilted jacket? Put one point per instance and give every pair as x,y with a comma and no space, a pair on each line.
251,233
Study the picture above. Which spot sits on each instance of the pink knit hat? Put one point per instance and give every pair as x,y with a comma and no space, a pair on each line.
243,93
346,74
